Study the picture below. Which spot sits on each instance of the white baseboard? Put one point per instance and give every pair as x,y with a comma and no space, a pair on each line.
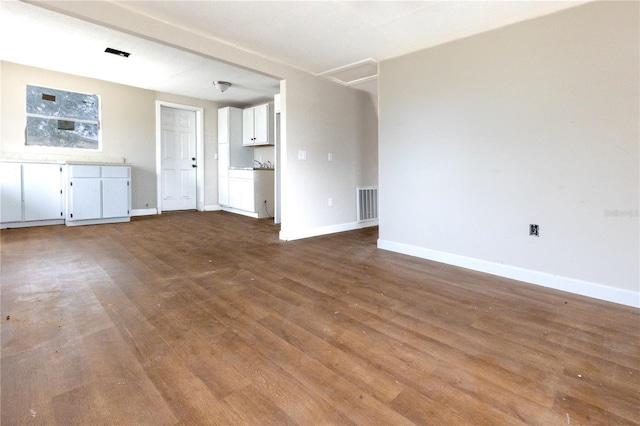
212,208
97,221
571,285
9,225
143,212
241,212
288,235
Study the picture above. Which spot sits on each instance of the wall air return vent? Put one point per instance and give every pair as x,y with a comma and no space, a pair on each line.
367,203
117,52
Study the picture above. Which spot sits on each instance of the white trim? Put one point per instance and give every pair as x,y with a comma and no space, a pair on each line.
27,224
242,212
143,212
212,208
328,74
360,80
288,235
97,221
199,151
571,285
368,61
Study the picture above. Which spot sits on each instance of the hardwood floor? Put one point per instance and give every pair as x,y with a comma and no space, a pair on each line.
207,318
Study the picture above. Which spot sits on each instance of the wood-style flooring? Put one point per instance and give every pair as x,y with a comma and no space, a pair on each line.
201,318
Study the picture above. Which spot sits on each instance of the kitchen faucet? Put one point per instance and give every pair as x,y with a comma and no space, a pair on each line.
259,164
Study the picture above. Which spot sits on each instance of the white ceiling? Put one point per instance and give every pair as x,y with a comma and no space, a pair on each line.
319,37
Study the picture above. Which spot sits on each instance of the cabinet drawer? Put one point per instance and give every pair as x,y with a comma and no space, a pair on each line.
115,172
85,171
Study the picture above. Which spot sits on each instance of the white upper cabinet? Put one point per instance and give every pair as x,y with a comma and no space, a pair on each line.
247,127
257,125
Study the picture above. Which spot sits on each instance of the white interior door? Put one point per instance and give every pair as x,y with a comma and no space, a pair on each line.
178,164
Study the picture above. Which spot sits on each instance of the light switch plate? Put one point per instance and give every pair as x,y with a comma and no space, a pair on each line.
302,155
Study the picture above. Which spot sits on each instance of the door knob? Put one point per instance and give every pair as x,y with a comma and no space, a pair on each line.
193,158
193,165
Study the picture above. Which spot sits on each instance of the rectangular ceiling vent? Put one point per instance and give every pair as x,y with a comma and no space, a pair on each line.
353,74
117,52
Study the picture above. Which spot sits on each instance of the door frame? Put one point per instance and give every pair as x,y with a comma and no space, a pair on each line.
199,151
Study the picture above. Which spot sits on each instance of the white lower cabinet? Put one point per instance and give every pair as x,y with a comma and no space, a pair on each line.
98,194
115,198
31,194
42,191
251,192
241,191
10,193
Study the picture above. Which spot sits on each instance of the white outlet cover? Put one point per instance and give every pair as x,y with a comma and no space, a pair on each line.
330,156
302,155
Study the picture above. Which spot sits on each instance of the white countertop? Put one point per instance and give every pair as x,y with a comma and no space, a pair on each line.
20,157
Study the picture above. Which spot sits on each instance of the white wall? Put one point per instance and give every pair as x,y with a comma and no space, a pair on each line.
325,118
317,116
533,123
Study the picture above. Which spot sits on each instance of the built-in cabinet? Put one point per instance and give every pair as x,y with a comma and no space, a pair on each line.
243,188
231,153
251,192
257,125
31,194
98,194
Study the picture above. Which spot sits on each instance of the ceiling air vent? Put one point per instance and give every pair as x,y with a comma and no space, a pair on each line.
117,52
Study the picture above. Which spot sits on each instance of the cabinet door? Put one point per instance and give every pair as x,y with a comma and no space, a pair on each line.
247,127
115,198
261,124
246,194
84,199
42,191
223,125
223,190
241,194
10,192
223,159
234,193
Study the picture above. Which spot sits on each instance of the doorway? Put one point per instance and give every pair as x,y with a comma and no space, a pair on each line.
179,150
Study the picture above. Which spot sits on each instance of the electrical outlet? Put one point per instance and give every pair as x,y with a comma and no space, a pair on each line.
534,230
302,155
330,202
330,157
